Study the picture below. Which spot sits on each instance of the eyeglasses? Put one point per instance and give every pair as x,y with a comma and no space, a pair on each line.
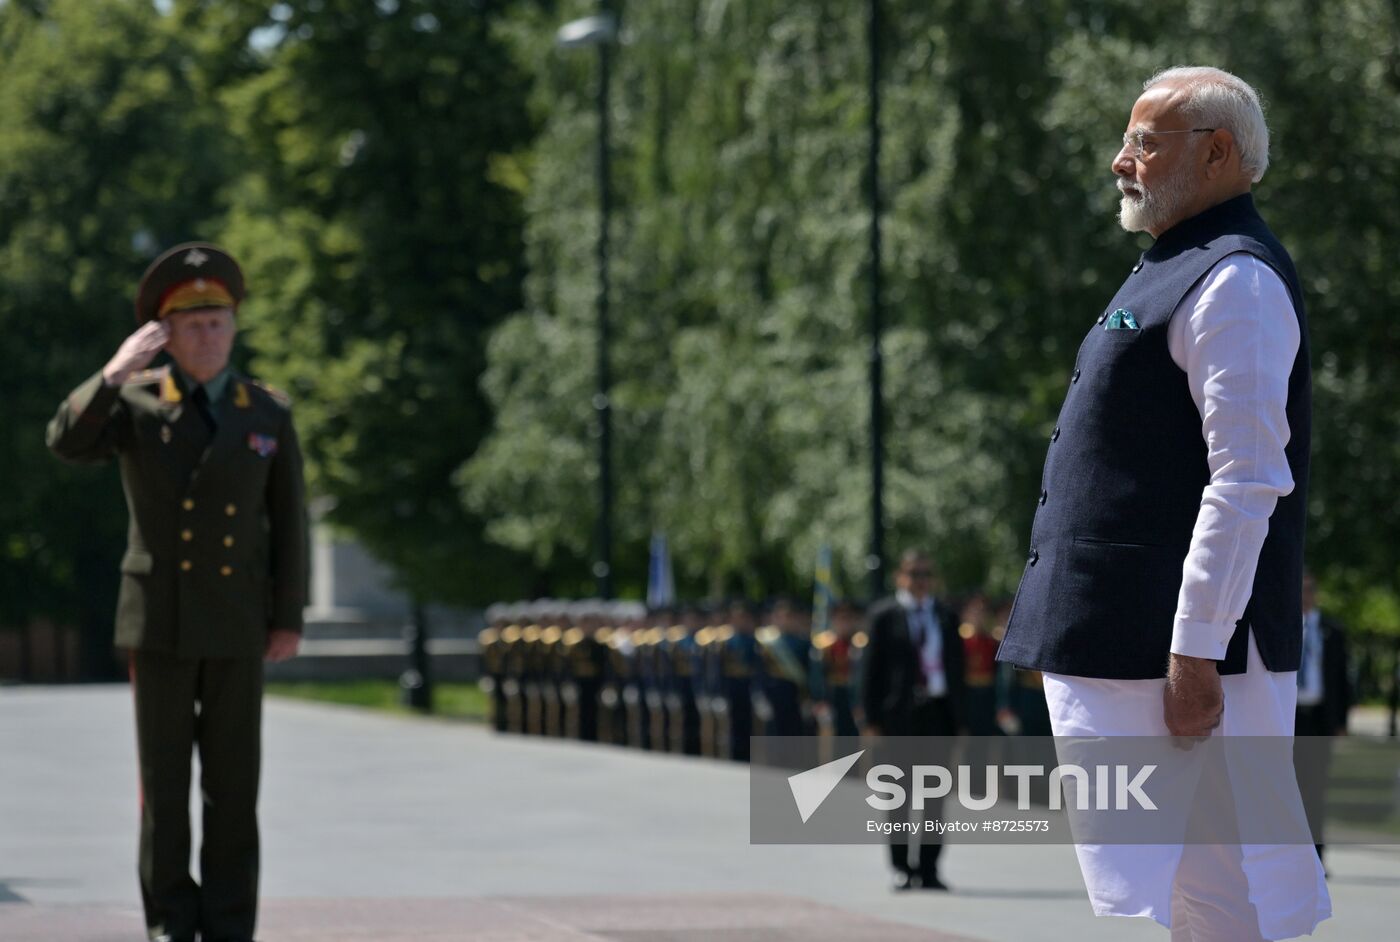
1140,147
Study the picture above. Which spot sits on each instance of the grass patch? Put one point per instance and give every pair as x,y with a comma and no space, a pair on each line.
464,701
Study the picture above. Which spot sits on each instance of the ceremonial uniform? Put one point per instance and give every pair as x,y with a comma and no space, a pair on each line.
786,660
684,704
835,661
739,665
215,560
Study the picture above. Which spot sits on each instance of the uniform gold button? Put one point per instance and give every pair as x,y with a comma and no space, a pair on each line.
187,535
231,509
186,565
225,570
228,541
187,504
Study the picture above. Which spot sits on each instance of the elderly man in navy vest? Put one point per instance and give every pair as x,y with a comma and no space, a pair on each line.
1161,590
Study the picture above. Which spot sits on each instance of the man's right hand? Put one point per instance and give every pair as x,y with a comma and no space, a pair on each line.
135,352
1193,699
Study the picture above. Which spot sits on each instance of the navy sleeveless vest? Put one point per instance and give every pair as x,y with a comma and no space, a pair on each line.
1124,475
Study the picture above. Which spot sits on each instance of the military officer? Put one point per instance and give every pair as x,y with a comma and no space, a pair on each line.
212,580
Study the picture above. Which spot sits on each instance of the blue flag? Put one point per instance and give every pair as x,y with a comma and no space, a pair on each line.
661,587
823,597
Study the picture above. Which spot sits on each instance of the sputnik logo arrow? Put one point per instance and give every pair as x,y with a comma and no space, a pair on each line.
811,788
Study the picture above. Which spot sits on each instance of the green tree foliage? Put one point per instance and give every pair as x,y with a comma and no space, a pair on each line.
423,273
380,211
107,153
739,259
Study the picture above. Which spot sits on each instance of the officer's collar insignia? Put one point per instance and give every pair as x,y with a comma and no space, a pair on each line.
195,258
169,390
240,396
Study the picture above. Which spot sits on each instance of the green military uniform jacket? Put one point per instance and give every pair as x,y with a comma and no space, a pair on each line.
216,550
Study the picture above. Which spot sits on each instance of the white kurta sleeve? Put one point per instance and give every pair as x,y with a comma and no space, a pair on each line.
1235,335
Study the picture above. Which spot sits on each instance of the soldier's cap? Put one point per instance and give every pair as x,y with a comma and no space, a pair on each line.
188,277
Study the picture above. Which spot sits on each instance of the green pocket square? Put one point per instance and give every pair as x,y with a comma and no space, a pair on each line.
1121,319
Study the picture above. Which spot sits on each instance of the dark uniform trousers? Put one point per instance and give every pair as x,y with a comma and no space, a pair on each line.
214,704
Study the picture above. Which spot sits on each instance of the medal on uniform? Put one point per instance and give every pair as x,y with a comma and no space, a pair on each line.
264,445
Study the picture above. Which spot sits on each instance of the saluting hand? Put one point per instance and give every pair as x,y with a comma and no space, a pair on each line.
1194,700
135,352
282,645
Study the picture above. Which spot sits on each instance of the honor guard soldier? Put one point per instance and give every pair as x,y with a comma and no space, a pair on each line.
685,706
739,660
612,712
622,665
532,672
835,654
634,693
513,676
707,697
651,659
587,660
980,651
552,677
787,657
980,691
493,652
212,579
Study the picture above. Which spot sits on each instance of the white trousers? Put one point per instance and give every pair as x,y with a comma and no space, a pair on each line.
1201,892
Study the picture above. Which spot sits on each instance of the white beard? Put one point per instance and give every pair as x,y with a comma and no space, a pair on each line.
1155,208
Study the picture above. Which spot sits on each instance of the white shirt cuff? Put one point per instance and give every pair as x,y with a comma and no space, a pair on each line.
1201,638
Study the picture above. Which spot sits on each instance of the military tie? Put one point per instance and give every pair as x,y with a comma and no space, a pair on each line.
201,405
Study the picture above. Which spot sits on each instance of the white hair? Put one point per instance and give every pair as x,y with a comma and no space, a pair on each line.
1215,98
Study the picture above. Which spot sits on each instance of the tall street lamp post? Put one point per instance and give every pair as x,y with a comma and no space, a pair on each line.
600,32
875,560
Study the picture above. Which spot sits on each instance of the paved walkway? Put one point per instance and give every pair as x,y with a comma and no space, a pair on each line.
380,827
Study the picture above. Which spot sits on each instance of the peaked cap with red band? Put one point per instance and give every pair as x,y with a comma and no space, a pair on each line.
190,276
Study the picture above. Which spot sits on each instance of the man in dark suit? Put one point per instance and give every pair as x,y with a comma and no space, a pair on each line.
212,580
1324,700
912,680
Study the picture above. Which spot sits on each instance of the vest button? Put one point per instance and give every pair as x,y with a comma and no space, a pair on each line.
1102,318
1138,267
1034,557
1043,496
1055,435
1074,378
